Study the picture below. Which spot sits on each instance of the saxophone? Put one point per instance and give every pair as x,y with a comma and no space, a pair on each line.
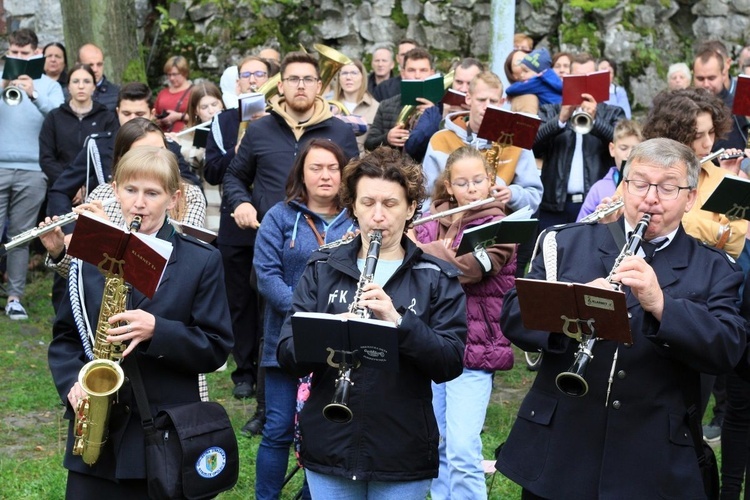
338,409
102,377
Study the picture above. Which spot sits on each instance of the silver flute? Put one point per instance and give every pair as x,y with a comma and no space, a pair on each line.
35,232
601,213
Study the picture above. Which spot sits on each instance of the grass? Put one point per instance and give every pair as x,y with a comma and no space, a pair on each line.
33,433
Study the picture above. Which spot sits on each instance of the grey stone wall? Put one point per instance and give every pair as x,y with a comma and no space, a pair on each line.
642,36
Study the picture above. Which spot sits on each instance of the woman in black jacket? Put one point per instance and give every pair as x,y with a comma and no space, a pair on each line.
66,128
389,449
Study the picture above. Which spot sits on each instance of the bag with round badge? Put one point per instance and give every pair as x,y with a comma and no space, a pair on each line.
191,449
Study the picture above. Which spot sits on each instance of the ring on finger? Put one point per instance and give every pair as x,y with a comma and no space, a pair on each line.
130,329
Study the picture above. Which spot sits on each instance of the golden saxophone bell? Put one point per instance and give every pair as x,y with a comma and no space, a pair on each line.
12,96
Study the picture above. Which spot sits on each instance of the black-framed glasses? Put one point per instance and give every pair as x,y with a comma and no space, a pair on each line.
663,191
307,81
257,74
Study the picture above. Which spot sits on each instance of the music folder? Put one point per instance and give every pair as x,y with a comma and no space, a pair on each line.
200,137
509,128
431,88
731,198
517,227
142,259
318,336
250,104
596,84
741,104
15,67
554,306
454,98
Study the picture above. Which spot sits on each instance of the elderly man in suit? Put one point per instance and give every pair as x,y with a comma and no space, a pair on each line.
630,435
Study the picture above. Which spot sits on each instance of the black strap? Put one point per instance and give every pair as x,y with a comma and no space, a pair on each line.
618,233
139,390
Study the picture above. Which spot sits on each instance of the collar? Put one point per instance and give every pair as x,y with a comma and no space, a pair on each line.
661,242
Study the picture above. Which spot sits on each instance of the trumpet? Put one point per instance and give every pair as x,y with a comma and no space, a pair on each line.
582,122
573,381
338,409
12,95
35,232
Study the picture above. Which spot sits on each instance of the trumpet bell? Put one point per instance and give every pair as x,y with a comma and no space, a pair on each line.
12,96
582,122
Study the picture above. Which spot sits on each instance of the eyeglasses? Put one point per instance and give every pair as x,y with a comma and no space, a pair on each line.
463,184
307,81
174,74
663,191
257,74
344,74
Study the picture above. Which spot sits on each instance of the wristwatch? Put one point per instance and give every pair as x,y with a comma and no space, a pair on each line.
484,260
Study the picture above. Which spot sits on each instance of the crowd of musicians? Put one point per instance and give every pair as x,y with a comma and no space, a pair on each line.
339,199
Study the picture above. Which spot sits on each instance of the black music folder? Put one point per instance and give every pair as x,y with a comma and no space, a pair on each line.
15,67
731,198
319,336
200,137
518,227
570,308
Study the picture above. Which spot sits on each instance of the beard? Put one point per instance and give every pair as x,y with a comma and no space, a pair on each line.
300,104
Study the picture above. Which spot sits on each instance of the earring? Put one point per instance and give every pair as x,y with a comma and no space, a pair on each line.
452,199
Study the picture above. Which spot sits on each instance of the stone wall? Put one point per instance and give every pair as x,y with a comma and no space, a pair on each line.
642,36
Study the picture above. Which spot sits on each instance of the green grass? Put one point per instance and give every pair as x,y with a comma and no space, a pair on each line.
33,433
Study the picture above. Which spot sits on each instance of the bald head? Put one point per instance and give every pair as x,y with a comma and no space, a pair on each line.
93,56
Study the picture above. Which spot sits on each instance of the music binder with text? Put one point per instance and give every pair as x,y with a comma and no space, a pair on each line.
15,67
142,259
509,128
731,198
596,84
554,306
250,104
431,88
318,337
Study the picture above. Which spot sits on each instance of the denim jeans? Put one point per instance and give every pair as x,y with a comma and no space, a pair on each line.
323,486
21,194
278,434
460,407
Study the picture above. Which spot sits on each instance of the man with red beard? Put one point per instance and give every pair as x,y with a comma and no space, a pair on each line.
268,149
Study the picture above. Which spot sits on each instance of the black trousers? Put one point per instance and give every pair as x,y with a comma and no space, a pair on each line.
735,439
244,309
85,487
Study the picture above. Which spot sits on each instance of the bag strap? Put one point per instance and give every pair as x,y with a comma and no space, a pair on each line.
618,233
139,390
318,236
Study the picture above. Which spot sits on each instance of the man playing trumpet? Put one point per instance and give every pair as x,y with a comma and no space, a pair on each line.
629,436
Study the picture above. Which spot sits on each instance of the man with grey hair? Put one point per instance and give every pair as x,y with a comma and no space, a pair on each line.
382,67
639,417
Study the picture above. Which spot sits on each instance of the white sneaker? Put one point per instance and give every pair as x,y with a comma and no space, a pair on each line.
15,311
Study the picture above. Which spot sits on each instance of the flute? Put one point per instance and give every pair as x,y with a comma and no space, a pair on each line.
35,232
203,125
452,211
712,155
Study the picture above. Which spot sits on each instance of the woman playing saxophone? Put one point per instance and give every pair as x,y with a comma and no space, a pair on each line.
390,445
183,330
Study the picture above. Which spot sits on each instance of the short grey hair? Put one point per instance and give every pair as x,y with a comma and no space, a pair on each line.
383,46
680,67
665,153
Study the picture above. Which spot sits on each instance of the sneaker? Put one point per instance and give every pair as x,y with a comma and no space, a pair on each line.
243,390
254,426
15,311
711,433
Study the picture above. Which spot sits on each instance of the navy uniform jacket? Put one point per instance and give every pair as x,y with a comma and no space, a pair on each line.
65,187
192,335
219,153
639,444
106,93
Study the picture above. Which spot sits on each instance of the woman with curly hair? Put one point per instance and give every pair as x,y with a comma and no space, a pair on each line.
390,447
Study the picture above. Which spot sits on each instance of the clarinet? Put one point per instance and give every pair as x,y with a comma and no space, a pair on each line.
572,382
338,409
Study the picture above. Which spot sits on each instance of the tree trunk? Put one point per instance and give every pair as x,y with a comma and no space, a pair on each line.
110,25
